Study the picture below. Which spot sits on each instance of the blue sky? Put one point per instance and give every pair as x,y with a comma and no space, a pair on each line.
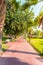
22,1
38,8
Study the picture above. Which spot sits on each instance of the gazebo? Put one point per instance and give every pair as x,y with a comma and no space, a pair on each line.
2,19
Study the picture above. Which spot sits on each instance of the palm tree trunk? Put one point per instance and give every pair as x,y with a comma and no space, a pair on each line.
2,19
29,36
42,32
42,29
0,41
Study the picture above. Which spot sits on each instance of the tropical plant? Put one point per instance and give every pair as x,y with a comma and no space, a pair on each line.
39,21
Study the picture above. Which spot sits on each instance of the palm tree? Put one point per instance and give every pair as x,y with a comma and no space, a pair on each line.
39,21
2,19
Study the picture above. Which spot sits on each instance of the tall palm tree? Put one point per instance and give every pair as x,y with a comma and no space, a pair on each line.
2,19
39,21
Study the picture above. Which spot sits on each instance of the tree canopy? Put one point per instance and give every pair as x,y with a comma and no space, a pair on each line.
18,17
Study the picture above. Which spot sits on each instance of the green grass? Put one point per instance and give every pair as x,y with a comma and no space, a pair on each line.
4,38
37,43
4,47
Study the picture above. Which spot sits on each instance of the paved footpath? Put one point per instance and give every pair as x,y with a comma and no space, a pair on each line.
20,53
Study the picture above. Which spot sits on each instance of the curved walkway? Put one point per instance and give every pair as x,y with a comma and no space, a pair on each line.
21,53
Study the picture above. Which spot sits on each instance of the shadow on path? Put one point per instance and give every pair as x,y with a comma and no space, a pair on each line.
17,51
11,61
40,59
